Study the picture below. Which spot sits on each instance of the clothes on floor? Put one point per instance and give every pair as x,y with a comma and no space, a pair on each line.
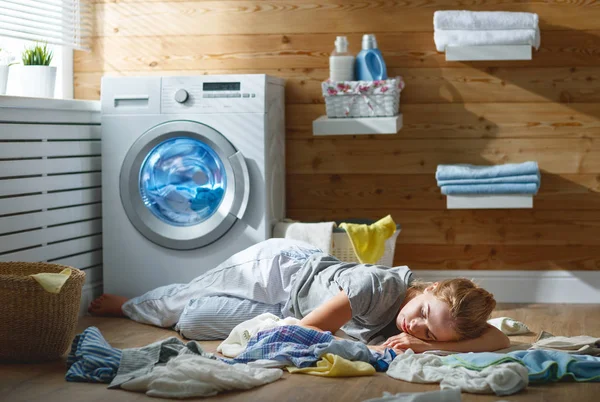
368,241
137,362
444,395
318,234
578,345
358,351
332,365
508,326
91,358
294,276
188,376
542,365
505,379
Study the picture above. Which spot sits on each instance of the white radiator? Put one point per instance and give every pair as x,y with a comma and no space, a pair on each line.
50,188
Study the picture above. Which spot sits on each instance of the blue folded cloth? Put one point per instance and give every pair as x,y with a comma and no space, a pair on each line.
542,365
500,188
460,172
527,178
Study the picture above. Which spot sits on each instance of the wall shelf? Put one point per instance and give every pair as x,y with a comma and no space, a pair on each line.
501,201
497,52
357,125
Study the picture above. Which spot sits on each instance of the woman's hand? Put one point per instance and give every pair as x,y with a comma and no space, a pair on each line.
405,341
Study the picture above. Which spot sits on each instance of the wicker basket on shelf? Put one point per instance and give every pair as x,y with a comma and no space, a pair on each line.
36,325
342,246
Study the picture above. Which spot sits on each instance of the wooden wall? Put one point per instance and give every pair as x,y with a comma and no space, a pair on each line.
546,109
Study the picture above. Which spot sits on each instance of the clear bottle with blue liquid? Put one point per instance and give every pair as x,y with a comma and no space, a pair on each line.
369,61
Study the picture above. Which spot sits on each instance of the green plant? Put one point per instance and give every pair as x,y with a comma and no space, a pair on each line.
37,55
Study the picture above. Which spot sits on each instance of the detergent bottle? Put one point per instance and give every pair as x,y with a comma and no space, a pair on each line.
341,62
369,61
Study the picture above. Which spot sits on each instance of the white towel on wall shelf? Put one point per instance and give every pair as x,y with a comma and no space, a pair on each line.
484,20
318,234
445,38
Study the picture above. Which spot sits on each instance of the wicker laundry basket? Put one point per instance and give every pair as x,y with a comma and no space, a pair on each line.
36,325
342,247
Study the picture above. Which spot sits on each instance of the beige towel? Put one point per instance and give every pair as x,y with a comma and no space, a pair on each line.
318,234
52,282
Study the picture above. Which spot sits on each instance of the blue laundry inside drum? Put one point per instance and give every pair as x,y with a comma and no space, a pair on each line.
182,181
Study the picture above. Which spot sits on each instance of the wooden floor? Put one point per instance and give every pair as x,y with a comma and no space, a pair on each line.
45,382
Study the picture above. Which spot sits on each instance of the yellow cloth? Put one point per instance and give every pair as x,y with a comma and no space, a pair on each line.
53,282
368,241
332,365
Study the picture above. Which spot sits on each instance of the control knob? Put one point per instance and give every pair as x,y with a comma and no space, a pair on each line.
181,96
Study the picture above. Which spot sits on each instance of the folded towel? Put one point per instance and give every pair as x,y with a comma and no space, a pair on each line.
527,178
445,38
464,171
368,241
509,326
52,282
462,19
500,188
317,234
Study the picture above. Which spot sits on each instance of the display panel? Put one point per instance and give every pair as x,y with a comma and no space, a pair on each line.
221,86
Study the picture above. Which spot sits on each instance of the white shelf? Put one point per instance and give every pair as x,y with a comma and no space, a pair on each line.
498,52
357,125
500,201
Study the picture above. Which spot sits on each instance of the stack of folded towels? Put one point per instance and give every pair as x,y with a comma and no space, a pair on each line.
479,28
511,178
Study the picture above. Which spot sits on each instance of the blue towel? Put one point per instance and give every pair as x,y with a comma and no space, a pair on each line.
543,365
527,178
499,188
453,172
92,359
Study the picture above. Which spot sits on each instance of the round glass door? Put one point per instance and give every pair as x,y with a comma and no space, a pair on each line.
182,181
183,185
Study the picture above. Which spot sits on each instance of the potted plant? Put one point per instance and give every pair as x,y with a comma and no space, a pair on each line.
36,75
5,61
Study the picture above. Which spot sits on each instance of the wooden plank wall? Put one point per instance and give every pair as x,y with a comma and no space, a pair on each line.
546,109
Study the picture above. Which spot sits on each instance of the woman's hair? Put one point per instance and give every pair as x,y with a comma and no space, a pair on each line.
470,305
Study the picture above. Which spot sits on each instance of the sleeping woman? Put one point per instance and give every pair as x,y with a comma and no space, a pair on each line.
380,306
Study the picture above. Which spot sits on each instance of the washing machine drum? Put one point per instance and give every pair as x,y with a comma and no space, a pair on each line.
183,185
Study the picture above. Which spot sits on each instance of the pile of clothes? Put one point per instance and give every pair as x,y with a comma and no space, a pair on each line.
510,178
485,28
257,350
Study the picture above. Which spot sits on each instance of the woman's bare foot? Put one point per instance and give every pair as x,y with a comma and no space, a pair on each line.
108,305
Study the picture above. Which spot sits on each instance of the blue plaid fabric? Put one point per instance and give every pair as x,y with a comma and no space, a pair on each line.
293,345
92,359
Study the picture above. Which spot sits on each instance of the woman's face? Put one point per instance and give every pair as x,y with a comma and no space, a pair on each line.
426,317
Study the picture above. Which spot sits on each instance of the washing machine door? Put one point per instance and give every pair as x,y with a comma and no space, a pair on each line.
183,185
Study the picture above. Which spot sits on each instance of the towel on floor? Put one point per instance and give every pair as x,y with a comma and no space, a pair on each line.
318,234
443,39
505,379
368,241
481,20
579,345
332,365
542,365
500,188
509,326
465,171
52,282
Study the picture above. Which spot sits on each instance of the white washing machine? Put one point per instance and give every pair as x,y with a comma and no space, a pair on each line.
193,171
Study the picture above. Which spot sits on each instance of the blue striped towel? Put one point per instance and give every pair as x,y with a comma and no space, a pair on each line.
463,172
500,188
92,359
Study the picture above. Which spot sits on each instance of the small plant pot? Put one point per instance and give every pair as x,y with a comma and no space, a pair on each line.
36,81
3,79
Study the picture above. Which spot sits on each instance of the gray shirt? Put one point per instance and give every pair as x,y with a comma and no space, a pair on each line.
375,293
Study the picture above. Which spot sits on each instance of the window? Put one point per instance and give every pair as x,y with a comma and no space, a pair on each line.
63,24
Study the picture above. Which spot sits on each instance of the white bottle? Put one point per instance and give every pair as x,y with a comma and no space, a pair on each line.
341,63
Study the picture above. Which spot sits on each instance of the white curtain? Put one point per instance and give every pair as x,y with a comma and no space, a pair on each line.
59,22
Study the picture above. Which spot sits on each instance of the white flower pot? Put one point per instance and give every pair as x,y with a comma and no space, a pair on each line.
36,81
3,79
